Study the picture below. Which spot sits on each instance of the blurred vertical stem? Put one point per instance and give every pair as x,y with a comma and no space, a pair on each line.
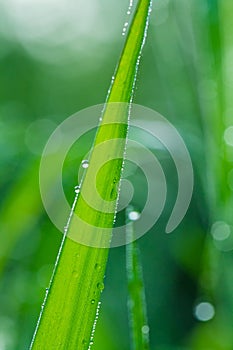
69,313
214,279
136,293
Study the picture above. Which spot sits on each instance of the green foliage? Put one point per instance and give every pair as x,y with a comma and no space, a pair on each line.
70,308
56,58
136,293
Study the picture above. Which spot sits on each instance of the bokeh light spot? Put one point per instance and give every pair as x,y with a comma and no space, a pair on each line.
228,135
204,312
220,230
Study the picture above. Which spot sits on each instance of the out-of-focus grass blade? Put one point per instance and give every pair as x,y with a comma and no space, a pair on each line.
16,222
70,310
136,294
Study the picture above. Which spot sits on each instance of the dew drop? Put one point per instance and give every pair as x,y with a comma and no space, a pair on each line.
145,329
100,286
115,180
77,189
125,28
97,267
128,12
134,215
85,163
92,301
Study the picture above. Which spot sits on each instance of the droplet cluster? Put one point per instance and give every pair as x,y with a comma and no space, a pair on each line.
94,325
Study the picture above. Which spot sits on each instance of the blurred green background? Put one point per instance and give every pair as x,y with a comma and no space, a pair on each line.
57,57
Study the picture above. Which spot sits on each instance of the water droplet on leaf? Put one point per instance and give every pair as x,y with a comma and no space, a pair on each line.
100,286
97,267
77,189
85,163
145,329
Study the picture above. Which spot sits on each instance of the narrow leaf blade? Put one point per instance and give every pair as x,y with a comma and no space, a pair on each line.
71,304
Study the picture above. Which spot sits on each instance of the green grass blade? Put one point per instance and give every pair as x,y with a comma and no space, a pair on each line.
70,310
122,89
136,294
26,218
